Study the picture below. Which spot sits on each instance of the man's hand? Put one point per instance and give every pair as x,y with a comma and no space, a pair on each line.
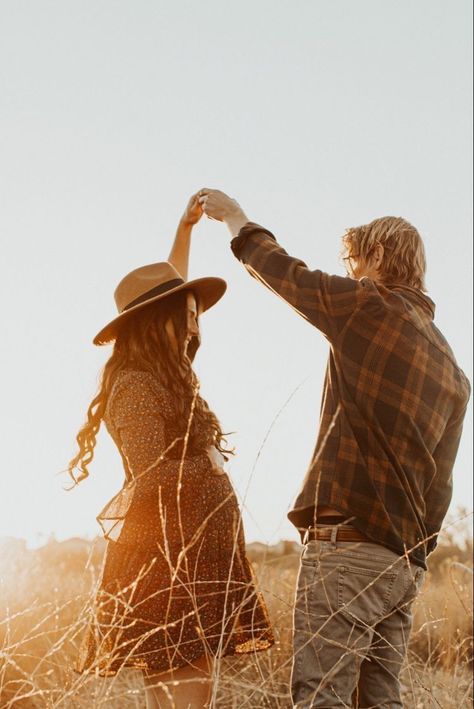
218,205
193,212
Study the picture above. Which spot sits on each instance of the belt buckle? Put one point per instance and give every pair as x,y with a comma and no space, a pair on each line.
323,534
334,531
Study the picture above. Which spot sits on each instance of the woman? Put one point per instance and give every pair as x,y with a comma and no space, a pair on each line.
177,589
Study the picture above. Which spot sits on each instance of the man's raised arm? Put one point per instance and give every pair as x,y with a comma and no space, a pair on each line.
326,301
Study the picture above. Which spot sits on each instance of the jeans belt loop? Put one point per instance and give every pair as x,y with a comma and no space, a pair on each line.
334,531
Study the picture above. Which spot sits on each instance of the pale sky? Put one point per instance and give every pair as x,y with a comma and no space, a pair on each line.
315,115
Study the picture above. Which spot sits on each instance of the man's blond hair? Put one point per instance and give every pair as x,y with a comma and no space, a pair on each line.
404,258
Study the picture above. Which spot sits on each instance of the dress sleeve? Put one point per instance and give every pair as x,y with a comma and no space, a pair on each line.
138,412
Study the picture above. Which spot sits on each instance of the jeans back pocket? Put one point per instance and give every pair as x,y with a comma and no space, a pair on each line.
364,594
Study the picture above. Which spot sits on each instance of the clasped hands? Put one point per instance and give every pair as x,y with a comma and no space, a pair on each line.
216,205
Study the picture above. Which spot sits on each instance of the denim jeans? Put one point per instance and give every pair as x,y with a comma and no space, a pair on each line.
352,622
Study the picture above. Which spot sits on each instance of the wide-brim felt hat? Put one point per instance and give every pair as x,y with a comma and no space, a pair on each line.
154,282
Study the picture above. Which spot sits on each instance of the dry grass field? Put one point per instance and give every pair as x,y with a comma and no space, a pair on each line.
43,602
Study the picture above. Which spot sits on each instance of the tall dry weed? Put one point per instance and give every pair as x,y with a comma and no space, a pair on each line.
44,594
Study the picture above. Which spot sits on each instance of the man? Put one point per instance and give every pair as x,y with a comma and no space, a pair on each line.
379,483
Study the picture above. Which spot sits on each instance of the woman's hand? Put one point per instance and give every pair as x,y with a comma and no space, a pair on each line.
217,460
193,212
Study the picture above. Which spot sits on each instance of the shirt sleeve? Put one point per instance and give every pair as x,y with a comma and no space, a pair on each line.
139,411
326,301
439,494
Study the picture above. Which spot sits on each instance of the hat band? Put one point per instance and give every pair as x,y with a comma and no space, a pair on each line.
157,290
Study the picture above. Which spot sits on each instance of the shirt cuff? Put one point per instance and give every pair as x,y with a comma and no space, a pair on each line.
237,244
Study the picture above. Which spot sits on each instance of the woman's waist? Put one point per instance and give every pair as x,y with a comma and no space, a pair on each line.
196,471
169,466
191,497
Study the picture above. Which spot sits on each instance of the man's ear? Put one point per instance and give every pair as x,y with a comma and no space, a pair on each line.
378,256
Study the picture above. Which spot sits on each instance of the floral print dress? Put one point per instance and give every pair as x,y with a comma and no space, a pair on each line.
176,583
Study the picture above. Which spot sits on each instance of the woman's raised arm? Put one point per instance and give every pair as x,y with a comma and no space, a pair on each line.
179,254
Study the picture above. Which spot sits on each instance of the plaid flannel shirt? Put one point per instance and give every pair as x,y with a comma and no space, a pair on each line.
393,403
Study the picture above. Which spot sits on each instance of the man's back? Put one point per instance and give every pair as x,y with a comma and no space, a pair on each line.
393,401
387,459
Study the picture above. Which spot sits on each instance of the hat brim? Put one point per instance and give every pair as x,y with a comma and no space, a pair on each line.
208,291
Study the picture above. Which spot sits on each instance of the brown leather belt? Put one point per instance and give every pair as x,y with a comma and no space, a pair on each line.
340,533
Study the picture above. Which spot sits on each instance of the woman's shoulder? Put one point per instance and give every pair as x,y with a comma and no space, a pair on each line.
138,389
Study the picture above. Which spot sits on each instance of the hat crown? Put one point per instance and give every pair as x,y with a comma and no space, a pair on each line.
149,284
136,284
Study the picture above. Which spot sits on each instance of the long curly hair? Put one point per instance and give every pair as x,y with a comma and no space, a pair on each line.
142,343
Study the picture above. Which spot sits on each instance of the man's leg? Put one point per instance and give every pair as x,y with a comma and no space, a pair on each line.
343,591
379,684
